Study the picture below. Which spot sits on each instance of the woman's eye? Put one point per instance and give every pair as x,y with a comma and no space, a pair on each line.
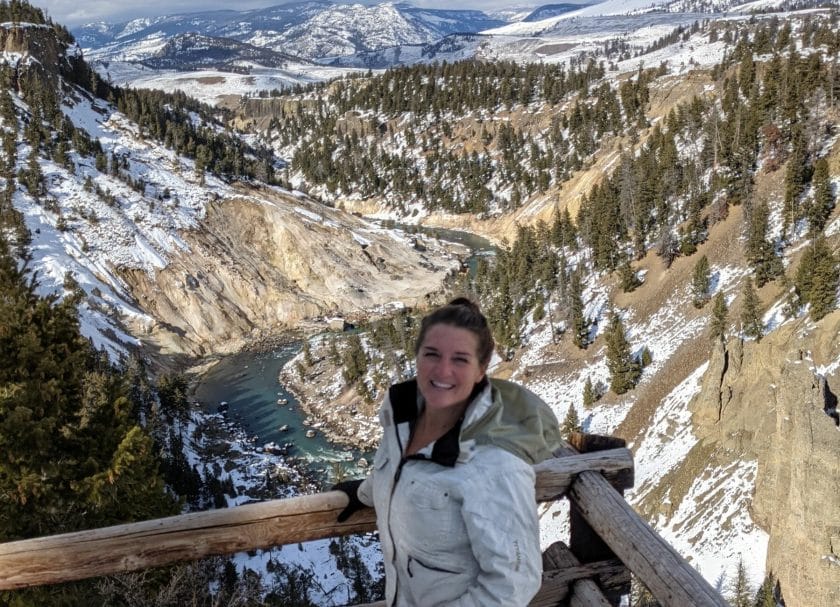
431,355
461,360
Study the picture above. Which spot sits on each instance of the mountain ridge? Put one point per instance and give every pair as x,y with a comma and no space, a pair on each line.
312,29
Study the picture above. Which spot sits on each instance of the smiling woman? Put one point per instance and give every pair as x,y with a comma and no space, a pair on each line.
452,482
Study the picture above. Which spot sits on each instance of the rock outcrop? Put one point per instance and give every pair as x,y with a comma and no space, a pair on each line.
264,261
44,55
772,402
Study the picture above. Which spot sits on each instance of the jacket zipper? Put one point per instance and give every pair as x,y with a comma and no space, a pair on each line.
397,475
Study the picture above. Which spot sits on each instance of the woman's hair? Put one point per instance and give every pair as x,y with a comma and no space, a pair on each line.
464,314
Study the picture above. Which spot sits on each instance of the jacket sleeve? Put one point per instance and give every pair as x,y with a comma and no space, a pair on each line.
500,512
365,490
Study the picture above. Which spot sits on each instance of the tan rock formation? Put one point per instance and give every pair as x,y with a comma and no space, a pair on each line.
264,261
767,402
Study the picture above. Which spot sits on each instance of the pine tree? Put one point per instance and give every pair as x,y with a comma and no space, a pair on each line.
700,282
624,370
797,174
823,200
739,592
628,277
72,454
751,322
580,325
720,311
646,357
589,394
333,353
817,278
355,359
571,423
765,596
172,392
759,252
308,361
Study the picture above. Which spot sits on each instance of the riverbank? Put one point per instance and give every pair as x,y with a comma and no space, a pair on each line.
340,412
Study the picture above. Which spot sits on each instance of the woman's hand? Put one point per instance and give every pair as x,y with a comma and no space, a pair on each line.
351,489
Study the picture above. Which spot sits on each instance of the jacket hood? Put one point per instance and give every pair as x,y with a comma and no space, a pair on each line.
516,420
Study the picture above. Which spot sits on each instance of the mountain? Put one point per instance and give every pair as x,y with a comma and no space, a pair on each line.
343,38
454,47
550,10
140,216
311,29
187,52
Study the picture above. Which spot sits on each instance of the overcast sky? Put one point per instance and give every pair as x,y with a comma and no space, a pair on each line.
77,12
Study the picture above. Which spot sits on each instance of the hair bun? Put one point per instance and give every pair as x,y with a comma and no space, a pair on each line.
467,303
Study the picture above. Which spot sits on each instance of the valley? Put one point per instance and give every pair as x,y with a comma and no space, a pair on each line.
658,189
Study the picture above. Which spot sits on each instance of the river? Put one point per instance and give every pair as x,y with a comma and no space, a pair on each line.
248,384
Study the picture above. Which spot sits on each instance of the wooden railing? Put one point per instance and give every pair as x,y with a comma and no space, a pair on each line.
608,539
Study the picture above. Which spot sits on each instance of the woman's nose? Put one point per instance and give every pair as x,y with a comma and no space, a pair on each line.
444,367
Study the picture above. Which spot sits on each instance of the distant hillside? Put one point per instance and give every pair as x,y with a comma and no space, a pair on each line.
551,10
188,52
311,29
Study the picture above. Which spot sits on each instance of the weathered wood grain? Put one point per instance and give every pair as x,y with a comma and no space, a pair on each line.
134,546
666,574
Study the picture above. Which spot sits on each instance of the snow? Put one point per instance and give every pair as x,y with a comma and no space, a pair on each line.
213,86
669,437
308,214
247,467
360,239
611,7
136,231
758,5
712,526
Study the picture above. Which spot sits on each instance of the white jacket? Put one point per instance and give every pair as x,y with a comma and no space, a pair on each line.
458,520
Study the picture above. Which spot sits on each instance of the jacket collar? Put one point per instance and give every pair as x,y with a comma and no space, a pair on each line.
406,404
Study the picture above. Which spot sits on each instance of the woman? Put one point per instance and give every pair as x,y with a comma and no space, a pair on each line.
452,482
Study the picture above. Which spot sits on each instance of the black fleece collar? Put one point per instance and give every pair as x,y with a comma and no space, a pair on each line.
403,397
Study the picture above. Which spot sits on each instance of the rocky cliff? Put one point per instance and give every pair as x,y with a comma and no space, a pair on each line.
263,261
41,53
773,403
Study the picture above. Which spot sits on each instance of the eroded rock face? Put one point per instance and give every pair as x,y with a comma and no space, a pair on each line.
771,402
264,261
44,55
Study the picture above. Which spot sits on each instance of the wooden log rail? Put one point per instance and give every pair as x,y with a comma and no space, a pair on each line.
97,552
584,477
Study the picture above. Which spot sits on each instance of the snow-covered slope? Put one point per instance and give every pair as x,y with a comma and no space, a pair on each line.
84,236
211,85
368,37
310,29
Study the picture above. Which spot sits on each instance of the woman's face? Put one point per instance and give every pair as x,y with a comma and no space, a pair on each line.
447,366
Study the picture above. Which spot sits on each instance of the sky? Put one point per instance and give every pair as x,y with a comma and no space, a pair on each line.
73,13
